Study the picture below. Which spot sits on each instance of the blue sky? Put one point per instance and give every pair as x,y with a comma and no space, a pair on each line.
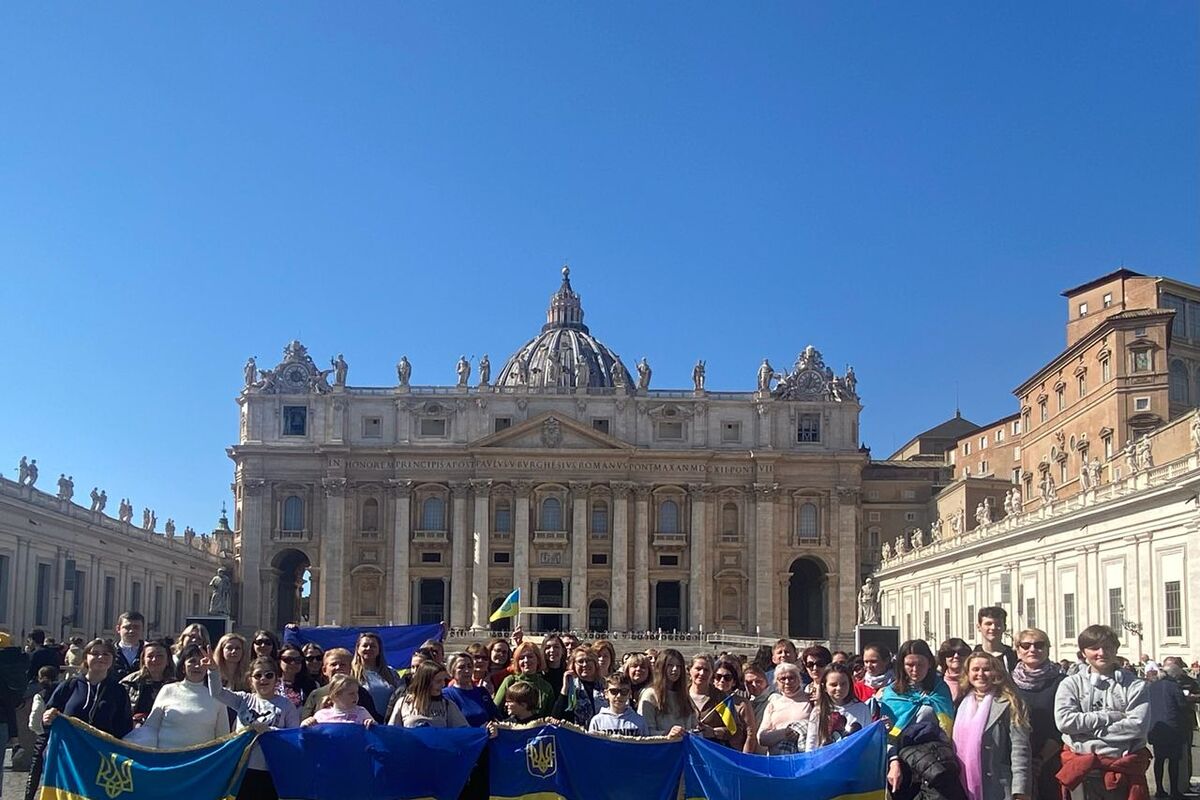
906,186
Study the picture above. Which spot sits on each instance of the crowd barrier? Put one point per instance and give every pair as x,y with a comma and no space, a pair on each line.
529,762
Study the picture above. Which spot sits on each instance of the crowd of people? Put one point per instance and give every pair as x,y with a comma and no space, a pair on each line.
982,722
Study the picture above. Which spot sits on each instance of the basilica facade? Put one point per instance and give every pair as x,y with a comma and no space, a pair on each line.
563,473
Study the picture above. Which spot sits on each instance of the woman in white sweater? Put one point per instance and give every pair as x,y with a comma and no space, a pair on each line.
184,713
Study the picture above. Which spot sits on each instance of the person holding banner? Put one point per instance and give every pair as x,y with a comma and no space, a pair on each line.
837,712
665,706
143,684
424,704
184,714
371,669
921,759
617,718
336,661
720,714
527,659
474,701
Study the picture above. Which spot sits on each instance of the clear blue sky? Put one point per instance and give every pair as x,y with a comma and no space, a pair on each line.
906,186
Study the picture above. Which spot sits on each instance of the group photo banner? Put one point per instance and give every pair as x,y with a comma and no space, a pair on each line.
399,641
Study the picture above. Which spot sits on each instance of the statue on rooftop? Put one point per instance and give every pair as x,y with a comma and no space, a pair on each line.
249,371
1144,457
403,370
485,370
765,373
340,368
463,368
698,376
66,487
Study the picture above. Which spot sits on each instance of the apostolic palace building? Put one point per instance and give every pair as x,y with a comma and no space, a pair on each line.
562,472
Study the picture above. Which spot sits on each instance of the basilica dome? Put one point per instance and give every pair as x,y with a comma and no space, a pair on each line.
565,354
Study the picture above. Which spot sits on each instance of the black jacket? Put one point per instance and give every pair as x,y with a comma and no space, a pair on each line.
1007,655
121,666
104,706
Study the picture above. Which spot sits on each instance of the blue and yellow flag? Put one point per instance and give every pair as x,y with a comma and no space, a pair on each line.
557,762
83,763
726,710
850,769
350,762
509,608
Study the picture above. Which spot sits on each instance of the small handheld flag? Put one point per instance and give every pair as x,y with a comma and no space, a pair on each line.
724,710
509,608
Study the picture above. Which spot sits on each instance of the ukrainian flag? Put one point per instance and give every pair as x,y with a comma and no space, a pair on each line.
509,608
82,763
849,769
725,710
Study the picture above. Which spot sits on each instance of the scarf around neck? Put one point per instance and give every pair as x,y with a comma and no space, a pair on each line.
969,726
877,682
1032,680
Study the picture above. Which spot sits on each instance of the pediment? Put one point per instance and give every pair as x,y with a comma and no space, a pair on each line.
549,431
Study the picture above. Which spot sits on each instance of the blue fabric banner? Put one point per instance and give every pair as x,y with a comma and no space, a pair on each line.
554,762
345,762
399,641
852,769
82,762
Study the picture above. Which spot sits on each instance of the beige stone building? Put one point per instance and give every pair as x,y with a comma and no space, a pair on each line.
562,473
70,569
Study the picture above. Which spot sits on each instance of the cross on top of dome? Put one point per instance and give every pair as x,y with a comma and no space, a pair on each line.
566,309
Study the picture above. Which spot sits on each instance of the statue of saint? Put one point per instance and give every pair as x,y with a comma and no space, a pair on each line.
956,522
553,368
250,371
918,538
103,501
851,381
66,487
1144,458
403,370
583,374
644,372
698,376
1196,429
485,370
523,371
340,368
221,585
23,471
146,519
33,472
1131,455
153,521
618,375
170,528
463,368
868,603
1094,472
935,531
765,373
95,495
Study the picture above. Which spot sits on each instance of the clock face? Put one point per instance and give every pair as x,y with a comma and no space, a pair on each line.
296,377
811,382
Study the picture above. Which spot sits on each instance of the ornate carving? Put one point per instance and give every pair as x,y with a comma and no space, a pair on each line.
481,486
621,488
644,373
579,488
400,487
670,411
810,379
766,491
334,487
642,492
523,488
295,374
459,488
552,435
697,491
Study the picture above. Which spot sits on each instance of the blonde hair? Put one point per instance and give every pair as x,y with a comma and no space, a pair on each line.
198,628
522,649
337,685
359,670
233,676
1002,687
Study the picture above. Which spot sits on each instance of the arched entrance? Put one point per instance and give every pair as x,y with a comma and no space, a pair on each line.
806,599
292,587
598,616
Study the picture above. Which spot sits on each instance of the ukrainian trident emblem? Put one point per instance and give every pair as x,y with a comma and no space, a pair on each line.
115,775
541,756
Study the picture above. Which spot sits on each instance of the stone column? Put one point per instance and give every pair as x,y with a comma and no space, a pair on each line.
751,530
579,555
521,540
641,559
459,591
333,544
255,533
402,611
479,565
764,533
843,535
698,557
620,556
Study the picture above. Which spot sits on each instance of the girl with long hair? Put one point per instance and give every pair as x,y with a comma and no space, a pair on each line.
606,657
425,704
991,732
921,716
155,669
837,712
665,704
638,669
265,644
555,653
294,682
582,694
230,658
370,668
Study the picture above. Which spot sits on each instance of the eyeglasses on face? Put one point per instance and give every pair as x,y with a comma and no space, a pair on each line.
312,658
815,664
292,660
786,678
261,642
263,676
722,676
1033,645
618,692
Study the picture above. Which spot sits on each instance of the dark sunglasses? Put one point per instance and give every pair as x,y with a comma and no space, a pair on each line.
1030,645
618,692
292,660
815,664
263,676
722,676
262,641
313,658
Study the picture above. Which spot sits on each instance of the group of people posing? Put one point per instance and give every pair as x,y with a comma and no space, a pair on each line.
983,723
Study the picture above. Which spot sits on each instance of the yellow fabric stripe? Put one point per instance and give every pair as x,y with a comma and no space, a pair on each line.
530,796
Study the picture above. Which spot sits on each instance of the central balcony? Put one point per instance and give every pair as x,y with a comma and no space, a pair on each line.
550,537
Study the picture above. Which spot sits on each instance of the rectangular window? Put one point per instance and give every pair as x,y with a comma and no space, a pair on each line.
110,600
372,427
909,494
946,620
295,420
503,517
971,613
983,443
999,435
501,424
1083,309
1107,299
1173,604
872,494
1016,475
1115,614
1105,370
599,559
872,516
809,428
1016,427
1043,411
873,540
1030,612
5,565
1081,385
983,468
966,448
41,613
1005,589
1141,404
501,557
910,516
1069,616
928,632
601,425
1016,452
1060,396
135,596
433,427
668,561
431,557
1107,448
731,432
1142,362
669,431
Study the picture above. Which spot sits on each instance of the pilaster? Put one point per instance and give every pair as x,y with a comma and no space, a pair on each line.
255,532
458,557
401,516
641,559
698,548
620,556
333,544
764,534
481,489
579,549
521,539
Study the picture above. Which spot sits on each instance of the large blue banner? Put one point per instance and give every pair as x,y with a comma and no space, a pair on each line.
399,641
851,768
82,762
347,762
554,762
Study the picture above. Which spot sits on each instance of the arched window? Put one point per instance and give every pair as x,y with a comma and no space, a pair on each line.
293,514
551,514
433,514
598,615
808,521
668,517
1179,383
370,514
599,522
729,521
503,516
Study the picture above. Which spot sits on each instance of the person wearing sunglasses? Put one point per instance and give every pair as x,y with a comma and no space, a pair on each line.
617,718
814,659
261,709
294,681
951,658
265,644
728,685
1036,678
314,657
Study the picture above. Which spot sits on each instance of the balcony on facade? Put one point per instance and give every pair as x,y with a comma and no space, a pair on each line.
422,535
669,539
302,535
550,537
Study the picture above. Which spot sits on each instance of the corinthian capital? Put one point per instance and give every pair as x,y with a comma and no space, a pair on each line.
334,487
766,491
253,487
579,488
400,487
621,488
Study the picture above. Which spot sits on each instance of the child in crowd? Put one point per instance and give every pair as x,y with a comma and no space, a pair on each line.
617,718
520,701
341,704
47,679
837,713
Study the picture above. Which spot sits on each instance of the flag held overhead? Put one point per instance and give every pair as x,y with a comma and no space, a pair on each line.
509,608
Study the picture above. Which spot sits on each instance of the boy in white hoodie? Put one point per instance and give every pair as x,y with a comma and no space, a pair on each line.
617,718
